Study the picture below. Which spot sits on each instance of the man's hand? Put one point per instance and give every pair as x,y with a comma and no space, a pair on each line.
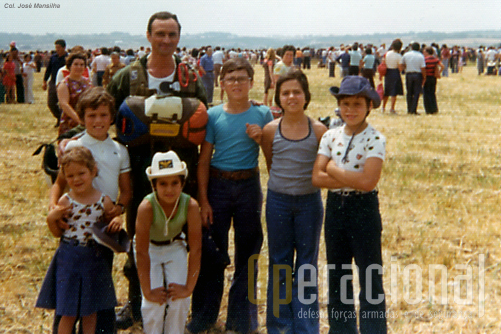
44,85
254,132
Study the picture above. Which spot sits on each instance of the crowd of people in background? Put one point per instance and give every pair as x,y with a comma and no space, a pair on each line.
17,68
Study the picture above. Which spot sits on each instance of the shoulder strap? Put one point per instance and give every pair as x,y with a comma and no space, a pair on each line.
138,84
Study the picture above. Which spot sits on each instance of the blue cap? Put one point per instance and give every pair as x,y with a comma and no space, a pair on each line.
356,85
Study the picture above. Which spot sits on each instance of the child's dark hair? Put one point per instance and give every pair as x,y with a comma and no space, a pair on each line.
236,64
93,98
154,181
75,55
80,155
303,82
289,48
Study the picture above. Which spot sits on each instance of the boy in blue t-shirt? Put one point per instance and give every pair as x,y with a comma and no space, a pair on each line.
229,188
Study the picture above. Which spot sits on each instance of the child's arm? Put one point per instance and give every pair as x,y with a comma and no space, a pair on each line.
319,176
56,215
267,141
115,223
203,181
177,291
365,181
143,225
124,184
57,190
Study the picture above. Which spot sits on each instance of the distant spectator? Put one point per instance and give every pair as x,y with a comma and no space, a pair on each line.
29,68
284,66
306,58
207,70
392,80
218,59
480,60
355,59
269,79
9,79
446,56
112,68
18,70
344,60
415,76
70,89
129,58
368,66
433,66
56,61
99,65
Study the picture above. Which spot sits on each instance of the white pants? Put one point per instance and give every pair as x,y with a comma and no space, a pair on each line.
170,263
28,88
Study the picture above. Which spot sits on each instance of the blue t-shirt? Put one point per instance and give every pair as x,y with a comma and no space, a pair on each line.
233,149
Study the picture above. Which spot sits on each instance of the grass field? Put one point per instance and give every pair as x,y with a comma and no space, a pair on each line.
439,199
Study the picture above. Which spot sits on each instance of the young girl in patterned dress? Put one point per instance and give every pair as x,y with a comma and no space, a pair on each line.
349,163
78,282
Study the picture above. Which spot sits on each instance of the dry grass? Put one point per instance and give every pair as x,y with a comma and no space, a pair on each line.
439,198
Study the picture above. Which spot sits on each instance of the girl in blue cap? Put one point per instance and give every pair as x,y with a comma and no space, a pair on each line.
349,163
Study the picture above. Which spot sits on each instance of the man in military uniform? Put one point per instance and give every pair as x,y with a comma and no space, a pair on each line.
159,72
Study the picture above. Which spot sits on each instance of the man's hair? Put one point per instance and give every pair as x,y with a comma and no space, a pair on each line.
163,16
80,155
75,55
303,82
60,42
93,98
415,46
429,50
236,64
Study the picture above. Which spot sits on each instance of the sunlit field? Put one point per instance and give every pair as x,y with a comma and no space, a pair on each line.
439,199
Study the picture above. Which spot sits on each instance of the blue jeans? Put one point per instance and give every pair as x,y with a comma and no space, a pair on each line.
240,201
353,231
445,62
294,226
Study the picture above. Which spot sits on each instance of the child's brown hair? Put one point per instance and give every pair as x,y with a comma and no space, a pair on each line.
93,98
80,155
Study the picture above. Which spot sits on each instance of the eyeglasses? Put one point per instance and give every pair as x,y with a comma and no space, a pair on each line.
236,80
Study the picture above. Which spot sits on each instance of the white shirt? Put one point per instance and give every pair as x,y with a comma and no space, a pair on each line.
101,62
414,62
369,143
112,160
393,59
218,57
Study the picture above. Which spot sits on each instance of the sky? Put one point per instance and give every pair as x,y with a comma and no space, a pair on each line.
254,17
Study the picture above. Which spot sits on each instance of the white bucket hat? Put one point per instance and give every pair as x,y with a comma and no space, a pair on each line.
166,164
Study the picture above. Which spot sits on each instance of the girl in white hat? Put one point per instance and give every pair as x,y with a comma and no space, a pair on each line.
167,280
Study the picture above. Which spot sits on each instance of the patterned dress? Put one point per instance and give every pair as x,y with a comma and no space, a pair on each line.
78,281
76,88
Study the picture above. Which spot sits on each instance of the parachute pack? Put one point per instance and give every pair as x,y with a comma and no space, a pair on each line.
145,116
181,121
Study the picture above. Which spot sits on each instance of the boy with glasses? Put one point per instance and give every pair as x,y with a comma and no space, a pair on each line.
230,189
